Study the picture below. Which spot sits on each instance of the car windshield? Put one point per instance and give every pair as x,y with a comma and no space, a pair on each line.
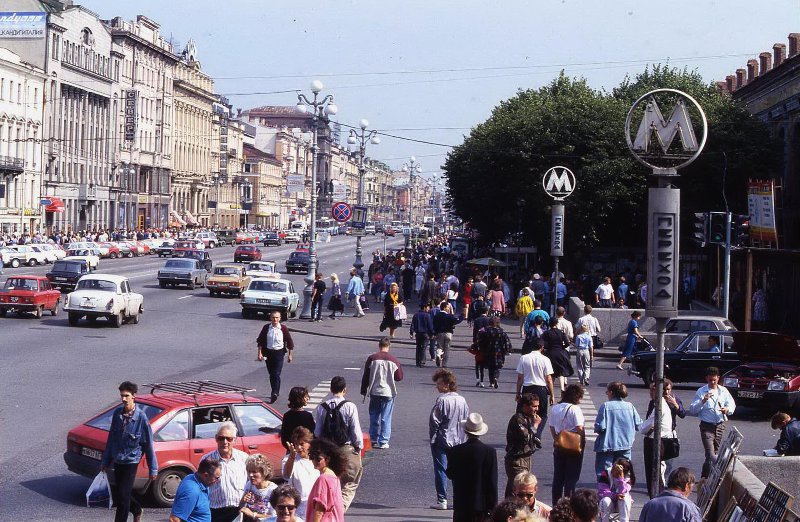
177,263
82,252
66,266
260,266
97,284
226,270
268,286
18,283
298,255
103,421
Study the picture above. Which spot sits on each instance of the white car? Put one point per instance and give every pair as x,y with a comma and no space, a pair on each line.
262,269
11,257
49,253
58,252
267,295
293,235
209,239
31,255
86,254
104,295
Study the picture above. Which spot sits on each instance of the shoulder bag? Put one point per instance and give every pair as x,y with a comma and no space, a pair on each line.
670,447
568,441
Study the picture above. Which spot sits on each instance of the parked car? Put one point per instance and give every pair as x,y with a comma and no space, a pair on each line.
64,274
201,255
267,295
679,327
209,239
379,228
25,294
92,256
243,237
132,248
111,249
262,269
272,238
31,255
227,278
297,262
183,245
389,231
225,237
165,248
12,257
184,418
769,376
688,361
293,236
369,230
246,253
53,252
182,271
104,295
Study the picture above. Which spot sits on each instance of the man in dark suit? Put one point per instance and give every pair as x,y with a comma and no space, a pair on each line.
472,466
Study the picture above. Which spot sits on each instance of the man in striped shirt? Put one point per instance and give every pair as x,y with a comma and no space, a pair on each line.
225,494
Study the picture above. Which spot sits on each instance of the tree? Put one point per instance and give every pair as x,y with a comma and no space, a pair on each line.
567,123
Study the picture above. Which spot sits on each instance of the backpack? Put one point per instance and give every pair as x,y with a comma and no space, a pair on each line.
334,427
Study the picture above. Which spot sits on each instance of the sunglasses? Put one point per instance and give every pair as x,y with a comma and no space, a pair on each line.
316,457
525,495
220,438
285,507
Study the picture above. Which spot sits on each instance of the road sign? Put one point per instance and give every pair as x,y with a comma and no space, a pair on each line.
558,182
46,202
341,211
359,217
356,232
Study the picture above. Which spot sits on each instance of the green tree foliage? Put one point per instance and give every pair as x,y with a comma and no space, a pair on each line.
501,162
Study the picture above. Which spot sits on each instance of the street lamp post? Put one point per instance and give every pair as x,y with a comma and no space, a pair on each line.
319,108
361,139
412,167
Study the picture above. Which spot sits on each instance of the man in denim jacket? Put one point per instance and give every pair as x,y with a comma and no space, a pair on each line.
129,438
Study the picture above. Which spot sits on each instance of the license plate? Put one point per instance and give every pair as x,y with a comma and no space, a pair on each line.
92,453
14,299
60,278
751,394
262,301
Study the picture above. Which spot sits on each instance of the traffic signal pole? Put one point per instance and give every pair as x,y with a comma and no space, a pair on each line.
726,278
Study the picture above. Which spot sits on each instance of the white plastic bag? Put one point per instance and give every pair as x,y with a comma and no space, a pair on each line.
400,312
99,493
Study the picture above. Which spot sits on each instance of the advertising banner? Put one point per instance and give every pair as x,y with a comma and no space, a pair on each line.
130,114
295,183
761,207
18,25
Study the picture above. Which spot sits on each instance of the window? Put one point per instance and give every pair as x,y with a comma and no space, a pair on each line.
103,421
206,421
255,419
176,429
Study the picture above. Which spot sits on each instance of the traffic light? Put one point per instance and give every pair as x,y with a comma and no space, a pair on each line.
716,228
740,233
701,228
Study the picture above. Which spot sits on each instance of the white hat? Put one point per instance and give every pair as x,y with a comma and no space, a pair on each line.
474,424
537,276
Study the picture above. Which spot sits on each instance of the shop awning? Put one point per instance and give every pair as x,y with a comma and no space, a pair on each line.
190,219
177,219
52,204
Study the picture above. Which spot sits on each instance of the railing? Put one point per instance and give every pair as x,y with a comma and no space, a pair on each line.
87,192
11,163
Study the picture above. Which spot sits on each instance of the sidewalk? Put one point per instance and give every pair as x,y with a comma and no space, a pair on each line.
366,329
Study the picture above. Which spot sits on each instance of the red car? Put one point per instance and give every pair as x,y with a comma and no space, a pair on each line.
389,231
184,418
29,294
246,253
246,237
113,250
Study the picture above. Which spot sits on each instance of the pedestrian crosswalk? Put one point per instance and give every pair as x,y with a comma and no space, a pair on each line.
317,393
589,413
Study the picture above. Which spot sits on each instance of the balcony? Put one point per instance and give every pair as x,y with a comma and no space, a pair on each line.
12,165
87,193
232,152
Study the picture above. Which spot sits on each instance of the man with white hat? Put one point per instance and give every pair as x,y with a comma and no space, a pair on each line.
538,287
472,466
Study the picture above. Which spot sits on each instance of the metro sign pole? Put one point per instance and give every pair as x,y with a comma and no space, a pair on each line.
663,214
558,183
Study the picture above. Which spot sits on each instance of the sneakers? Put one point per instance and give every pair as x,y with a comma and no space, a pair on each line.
438,361
619,367
493,384
381,446
440,505
479,384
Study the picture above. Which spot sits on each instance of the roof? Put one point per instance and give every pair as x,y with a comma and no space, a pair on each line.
277,110
229,265
105,277
38,278
168,399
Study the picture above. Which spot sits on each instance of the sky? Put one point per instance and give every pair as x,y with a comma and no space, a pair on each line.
431,70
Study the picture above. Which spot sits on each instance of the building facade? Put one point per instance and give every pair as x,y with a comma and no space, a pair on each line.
21,129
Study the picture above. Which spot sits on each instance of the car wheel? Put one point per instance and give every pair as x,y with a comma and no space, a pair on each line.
15,263
649,376
73,319
54,311
191,285
212,245
284,315
32,262
135,318
166,485
117,320
212,293
38,312
245,313
293,313
112,255
130,254
3,312
162,284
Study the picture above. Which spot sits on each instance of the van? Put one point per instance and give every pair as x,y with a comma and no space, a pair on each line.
297,225
369,229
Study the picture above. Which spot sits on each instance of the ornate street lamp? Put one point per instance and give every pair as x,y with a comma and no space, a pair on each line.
412,167
361,139
319,108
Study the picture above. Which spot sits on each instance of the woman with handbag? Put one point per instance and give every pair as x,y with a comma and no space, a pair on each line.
494,344
556,344
669,438
391,303
569,440
335,303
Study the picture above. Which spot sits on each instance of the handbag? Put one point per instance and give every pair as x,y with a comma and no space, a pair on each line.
598,343
568,441
670,448
400,312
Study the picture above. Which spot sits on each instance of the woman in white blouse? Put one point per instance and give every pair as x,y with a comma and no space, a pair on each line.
567,416
297,469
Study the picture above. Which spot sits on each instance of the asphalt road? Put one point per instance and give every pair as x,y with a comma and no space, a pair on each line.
55,377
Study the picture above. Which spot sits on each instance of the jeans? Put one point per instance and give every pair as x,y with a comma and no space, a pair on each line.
566,472
422,340
603,460
544,403
711,436
357,305
439,453
274,368
444,339
479,369
380,418
124,474
584,365
623,507
432,345
648,467
316,308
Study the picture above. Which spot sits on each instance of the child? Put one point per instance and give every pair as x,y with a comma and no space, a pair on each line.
584,354
255,505
615,493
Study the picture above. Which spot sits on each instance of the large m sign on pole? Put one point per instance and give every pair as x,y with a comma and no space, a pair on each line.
653,123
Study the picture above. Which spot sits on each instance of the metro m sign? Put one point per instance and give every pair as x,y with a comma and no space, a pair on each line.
665,130
558,182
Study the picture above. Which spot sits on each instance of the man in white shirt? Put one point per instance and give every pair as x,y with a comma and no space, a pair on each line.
535,375
591,323
563,323
225,494
604,295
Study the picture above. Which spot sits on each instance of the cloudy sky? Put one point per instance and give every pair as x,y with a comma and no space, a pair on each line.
430,70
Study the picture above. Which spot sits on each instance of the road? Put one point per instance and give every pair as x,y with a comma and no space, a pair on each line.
54,377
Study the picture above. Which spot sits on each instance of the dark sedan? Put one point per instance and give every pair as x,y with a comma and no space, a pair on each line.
65,274
272,238
297,262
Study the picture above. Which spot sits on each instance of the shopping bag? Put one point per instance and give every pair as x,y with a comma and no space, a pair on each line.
400,312
99,493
